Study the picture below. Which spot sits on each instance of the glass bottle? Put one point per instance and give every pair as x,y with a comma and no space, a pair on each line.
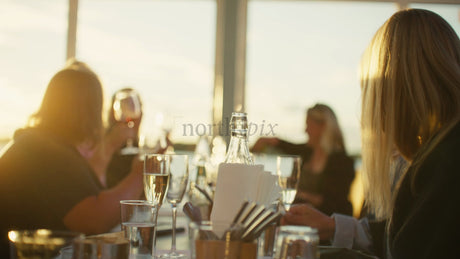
238,151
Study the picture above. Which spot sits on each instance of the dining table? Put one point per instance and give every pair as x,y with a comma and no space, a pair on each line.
163,242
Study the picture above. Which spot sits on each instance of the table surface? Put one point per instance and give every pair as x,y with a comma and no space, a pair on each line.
163,243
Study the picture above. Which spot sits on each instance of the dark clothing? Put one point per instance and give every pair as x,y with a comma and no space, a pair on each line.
333,183
118,168
41,180
425,220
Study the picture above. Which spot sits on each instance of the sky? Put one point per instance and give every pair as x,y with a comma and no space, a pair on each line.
298,54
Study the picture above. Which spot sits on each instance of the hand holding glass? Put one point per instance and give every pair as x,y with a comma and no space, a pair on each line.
288,171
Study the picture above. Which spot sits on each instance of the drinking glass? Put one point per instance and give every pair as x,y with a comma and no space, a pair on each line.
127,109
297,242
139,225
40,243
178,171
288,171
66,252
156,177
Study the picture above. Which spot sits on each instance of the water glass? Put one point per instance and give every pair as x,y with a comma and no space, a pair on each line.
297,242
40,243
138,221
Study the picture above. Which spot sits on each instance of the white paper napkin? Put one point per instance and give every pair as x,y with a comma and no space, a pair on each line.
239,182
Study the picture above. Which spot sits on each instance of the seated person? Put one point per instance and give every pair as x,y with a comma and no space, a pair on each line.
412,103
46,179
327,171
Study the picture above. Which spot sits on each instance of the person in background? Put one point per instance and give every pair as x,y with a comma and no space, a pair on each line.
410,82
47,179
327,171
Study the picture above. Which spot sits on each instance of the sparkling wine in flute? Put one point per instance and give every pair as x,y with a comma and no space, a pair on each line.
156,187
288,195
140,235
288,171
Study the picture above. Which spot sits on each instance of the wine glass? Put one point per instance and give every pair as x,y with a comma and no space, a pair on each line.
288,171
156,178
156,181
127,109
178,171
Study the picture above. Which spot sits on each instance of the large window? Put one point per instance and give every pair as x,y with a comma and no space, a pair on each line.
164,49
32,48
301,53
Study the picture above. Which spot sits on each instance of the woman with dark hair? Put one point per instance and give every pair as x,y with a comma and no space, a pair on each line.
327,170
46,179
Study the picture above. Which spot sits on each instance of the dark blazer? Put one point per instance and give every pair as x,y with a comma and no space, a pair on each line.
425,221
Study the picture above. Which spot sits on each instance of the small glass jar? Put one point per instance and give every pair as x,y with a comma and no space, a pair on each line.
297,242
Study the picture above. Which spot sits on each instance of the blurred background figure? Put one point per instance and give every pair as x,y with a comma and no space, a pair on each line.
50,172
327,171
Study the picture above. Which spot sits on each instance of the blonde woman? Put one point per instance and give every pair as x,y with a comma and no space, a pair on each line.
411,101
327,170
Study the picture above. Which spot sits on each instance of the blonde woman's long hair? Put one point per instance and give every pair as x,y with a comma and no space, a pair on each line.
410,82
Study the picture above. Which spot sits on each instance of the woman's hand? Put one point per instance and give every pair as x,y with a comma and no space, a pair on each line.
306,215
116,138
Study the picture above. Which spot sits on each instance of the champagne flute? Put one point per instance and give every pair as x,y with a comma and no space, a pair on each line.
156,182
178,171
288,171
156,178
127,109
